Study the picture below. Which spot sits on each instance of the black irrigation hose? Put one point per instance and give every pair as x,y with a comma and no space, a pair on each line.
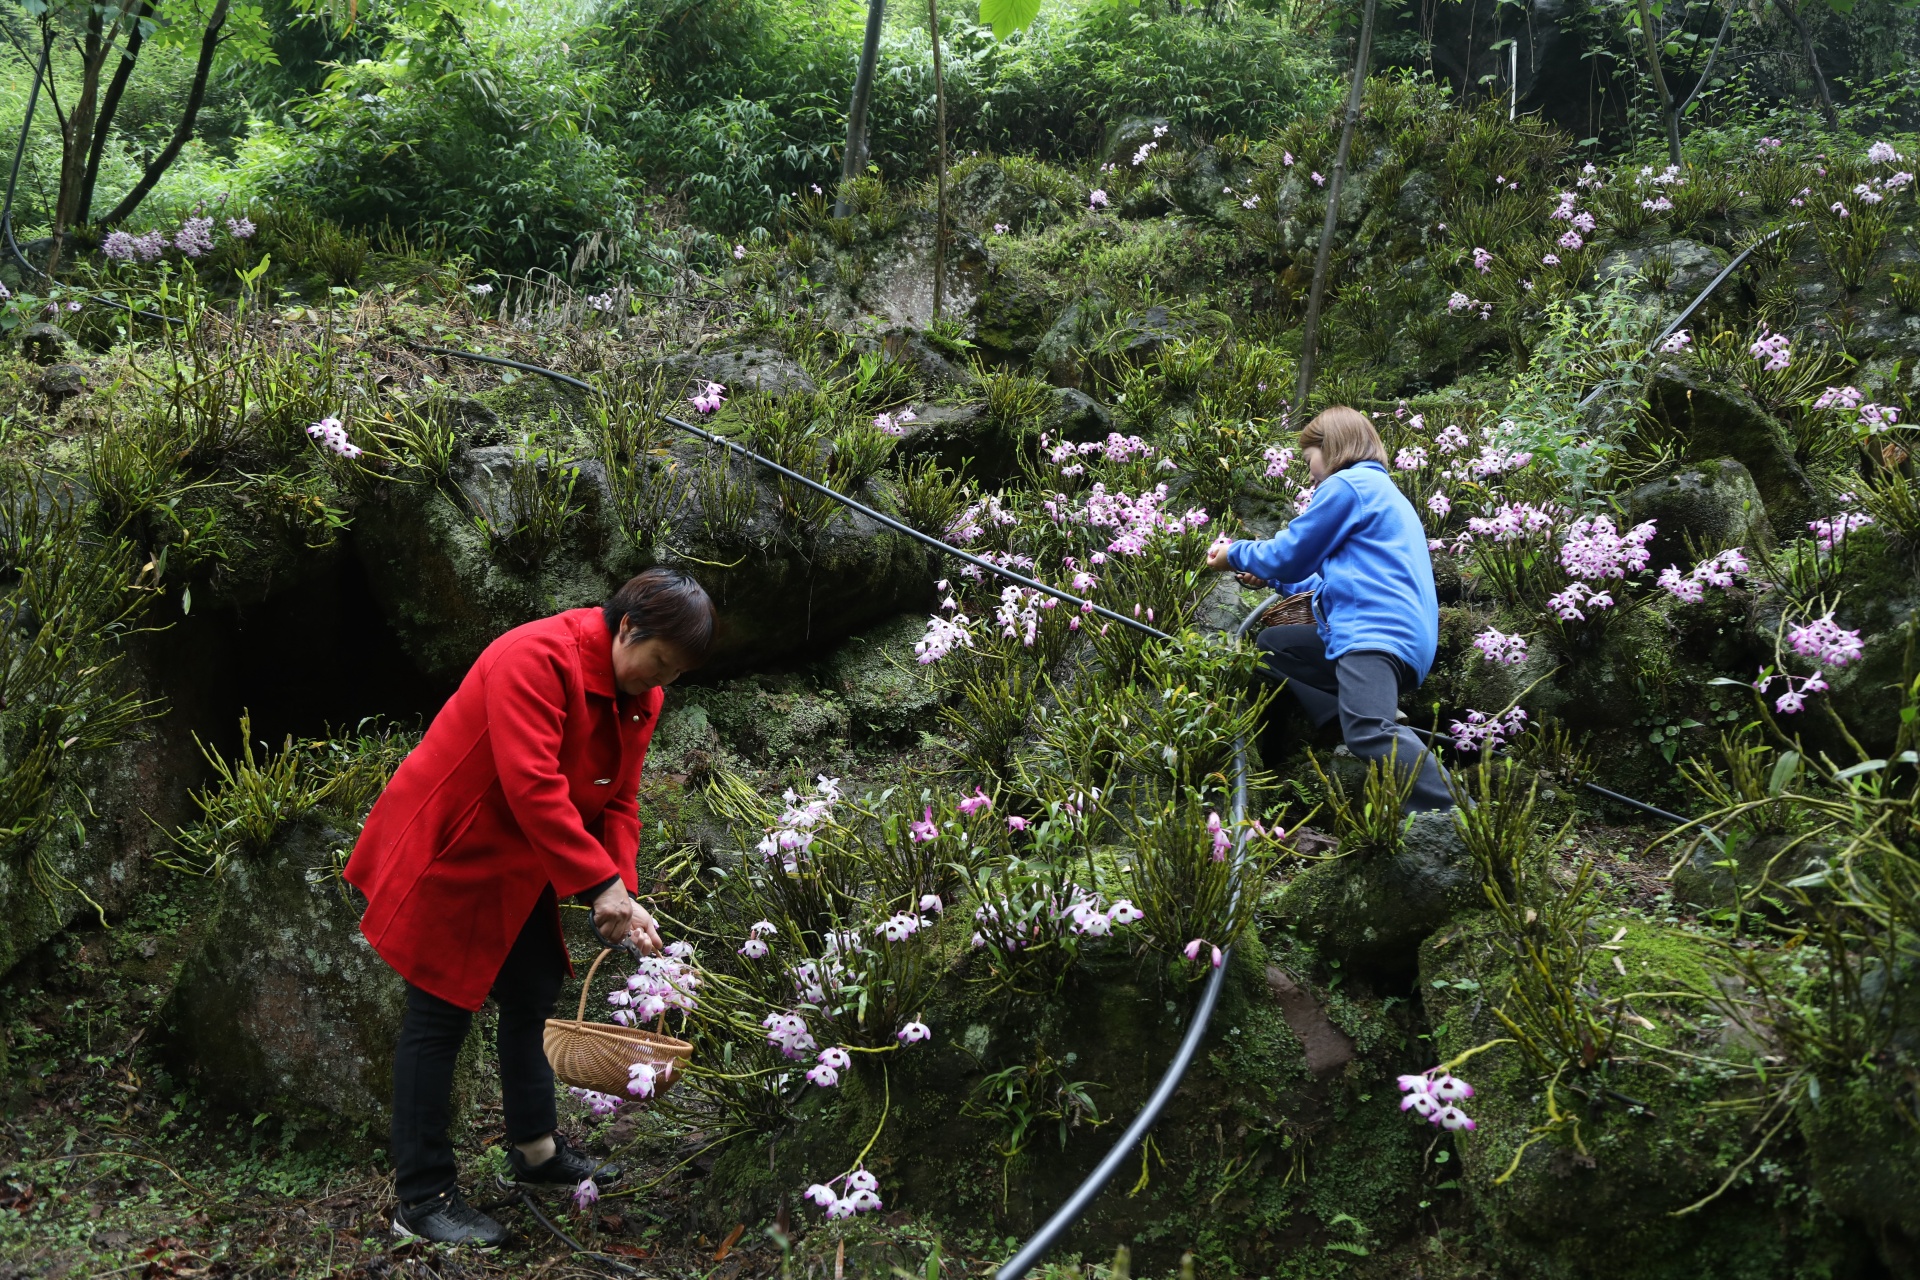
1699,298
852,504
1594,787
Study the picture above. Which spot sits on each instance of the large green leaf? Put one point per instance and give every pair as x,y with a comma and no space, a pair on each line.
1008,16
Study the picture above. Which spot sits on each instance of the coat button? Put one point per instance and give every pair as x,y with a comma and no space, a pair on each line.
636,717
603,782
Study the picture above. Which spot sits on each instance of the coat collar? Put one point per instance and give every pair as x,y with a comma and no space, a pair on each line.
596,651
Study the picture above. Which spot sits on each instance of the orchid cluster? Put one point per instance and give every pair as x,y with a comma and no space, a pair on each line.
1716,571
1569,605
1824,641
862,1195
1830,533
1135,519
1460,302
1435,1096
1011,924
1821,640
1497,646
793,834
1774,350
194,239
1869,418
895,424
944,635
660,983
710,398
1594,550
1487,731
1513,521
600,1104
1115,448
332,435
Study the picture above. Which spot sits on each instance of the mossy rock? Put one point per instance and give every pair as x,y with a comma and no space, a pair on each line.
1710,507
887,691
287,1009
64,874
1224,1177
448,596
1866,1162
1603,1206
1720,421
1710,877
1373,909
772,721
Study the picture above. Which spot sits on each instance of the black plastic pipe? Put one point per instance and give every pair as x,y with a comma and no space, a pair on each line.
1084,1195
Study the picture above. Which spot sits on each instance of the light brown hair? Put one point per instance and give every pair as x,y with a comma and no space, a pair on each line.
1344,436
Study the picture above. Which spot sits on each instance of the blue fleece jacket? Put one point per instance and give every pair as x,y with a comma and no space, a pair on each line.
1360,548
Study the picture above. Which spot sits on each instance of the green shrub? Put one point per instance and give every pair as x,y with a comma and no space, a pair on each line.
489,143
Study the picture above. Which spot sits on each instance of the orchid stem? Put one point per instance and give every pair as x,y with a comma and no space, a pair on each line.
886,1102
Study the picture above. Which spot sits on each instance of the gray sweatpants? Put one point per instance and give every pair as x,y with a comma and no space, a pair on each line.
1363,689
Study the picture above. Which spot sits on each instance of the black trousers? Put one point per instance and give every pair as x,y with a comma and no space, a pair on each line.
431,1034
1363,689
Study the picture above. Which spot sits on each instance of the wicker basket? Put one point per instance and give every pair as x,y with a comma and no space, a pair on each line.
1295,611
596,1055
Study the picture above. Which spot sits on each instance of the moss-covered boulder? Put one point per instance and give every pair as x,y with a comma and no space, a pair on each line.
1718,420
1373,908
887,691
1866,1163
778,589
1709,507
48,882
1714,877
1660,1129
286,1008
1256,1165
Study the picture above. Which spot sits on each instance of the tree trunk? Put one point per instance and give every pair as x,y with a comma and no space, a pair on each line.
854,162
209,45
76,132
110,107
940,166
1706,72
1356,94
1668,116
20,150
1813,60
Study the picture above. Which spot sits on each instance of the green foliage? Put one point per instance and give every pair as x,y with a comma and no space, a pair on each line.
254,798
491,139
525,518
69,600
630,439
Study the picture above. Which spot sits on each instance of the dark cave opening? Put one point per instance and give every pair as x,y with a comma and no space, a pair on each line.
312,659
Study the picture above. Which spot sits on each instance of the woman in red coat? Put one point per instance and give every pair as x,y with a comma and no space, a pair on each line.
522,792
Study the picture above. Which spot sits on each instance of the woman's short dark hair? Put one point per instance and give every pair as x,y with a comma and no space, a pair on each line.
665,603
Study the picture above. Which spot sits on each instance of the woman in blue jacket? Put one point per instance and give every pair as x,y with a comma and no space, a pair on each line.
1360,548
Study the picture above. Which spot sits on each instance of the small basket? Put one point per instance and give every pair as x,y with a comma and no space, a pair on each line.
597,1055
1295,611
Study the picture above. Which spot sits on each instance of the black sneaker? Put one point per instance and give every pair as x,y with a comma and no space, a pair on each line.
567,1169
448,1219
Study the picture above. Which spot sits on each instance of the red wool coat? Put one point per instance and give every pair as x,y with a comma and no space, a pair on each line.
526,778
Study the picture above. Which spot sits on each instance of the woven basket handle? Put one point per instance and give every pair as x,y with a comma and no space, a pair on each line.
580,1014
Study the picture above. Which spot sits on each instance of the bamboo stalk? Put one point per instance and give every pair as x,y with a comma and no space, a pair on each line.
1310,338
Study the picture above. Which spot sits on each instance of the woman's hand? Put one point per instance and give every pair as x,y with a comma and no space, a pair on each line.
618,918
1217,554
1251,581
